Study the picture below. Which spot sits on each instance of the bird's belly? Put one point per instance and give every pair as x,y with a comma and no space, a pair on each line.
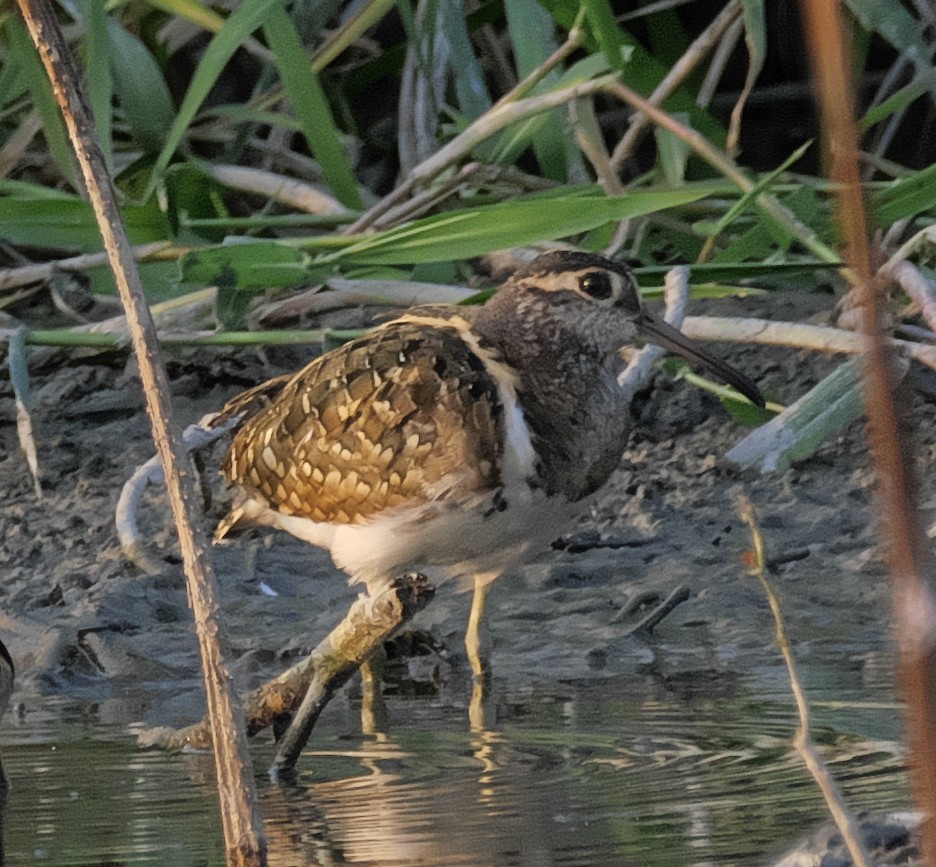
443,539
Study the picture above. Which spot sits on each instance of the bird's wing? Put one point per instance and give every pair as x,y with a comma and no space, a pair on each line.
391,419
249,403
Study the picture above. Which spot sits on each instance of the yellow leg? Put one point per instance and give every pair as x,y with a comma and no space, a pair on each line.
373,708
475,644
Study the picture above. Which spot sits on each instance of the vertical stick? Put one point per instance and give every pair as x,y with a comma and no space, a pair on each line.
240,816
888,422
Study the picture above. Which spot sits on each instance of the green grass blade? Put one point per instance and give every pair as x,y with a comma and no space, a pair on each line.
22,53
311,107
26,190
607,33
755,32
530,29
190,10
763,184
69,224
470,87
359,18
672,152
898,100
247,18
141,88
253,265
98,75
643,71
907,197
894,23
516,138
474,231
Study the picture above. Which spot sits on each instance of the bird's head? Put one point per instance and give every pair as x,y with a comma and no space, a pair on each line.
595,299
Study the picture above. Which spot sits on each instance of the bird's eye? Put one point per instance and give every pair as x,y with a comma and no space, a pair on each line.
596,284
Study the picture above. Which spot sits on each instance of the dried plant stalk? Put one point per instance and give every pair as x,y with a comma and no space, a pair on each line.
843,817
243,835
889,423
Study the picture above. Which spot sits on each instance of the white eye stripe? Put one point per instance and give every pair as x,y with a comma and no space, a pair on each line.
623,290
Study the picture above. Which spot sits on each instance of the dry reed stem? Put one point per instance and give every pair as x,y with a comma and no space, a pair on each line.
510,108
889,422
635,376
843,817
722,163
700,48
24,275
243,835
796,335
296,194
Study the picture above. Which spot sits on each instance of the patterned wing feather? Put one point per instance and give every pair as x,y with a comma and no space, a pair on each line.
380,422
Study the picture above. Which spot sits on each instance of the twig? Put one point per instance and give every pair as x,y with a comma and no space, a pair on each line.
714,157
342,292
678,73
590,141
19,379
18,141
366,626
638,371
196,436
240,817
24,275
508,110
719,61
369,621
765,332
421,202
915,284
802,741
297,194
755,64
654,617
926,235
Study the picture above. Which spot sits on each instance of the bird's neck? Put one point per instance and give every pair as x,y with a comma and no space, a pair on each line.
568,392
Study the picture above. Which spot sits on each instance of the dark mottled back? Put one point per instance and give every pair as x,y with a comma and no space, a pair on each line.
378,422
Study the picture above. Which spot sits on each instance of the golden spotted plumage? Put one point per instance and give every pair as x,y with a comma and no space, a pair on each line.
378,423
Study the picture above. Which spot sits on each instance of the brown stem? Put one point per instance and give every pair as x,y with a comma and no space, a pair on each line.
240,816
889,424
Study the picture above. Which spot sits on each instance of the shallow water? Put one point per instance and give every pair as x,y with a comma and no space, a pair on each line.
567,776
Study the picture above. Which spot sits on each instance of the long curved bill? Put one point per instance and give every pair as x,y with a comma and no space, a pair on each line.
663,334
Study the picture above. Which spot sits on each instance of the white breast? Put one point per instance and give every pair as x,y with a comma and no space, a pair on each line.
443,539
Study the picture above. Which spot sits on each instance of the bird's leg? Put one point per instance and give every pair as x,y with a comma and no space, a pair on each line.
373,708
477,643
368,623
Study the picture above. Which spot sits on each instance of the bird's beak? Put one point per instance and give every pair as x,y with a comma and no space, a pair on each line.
657,331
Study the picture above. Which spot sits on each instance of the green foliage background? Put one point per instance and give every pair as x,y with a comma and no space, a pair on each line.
488,125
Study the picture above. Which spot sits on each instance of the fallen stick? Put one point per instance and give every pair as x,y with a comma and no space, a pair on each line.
370,621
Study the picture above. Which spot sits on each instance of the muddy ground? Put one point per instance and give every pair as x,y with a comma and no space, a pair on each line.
82,622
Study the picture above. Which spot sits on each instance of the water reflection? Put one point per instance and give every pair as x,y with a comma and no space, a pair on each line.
589,777
3,797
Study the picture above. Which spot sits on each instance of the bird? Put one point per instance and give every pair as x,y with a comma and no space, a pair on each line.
454,441
7,674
